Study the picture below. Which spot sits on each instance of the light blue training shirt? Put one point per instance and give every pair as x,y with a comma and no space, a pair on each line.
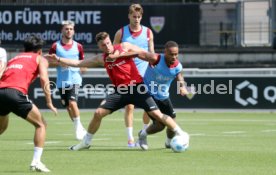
140,41
159,77
68,76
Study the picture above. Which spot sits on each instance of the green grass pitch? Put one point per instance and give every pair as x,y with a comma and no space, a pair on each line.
220,144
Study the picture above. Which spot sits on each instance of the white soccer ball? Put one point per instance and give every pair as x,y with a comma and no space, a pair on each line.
180,143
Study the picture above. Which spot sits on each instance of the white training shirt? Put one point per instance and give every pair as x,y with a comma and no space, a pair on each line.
3,55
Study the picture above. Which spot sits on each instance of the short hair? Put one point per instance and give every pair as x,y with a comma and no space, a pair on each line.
67,22
101,36
170,44
33,43
135,8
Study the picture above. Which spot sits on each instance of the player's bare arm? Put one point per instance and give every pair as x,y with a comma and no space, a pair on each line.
151,43
44,82
117,37
147,56
90,62
182,84
113,57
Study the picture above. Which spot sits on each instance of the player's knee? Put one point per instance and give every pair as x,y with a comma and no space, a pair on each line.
72,103
98,113
129,108
164,117
41,124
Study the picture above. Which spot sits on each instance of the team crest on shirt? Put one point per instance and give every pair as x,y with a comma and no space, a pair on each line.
157,23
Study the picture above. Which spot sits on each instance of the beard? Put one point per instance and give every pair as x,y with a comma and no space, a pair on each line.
68,37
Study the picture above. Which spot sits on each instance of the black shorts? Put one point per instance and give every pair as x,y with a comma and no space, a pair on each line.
12,100
137,96
67,94
166,107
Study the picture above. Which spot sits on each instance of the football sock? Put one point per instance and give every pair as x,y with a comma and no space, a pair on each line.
130,133
88,138
144,133
37,154
145,126
178,130
77,122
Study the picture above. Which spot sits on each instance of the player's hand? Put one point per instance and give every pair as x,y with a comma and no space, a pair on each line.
183,91
189,92
112,57
51,57
50,106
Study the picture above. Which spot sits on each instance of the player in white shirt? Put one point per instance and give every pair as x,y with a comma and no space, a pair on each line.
3,60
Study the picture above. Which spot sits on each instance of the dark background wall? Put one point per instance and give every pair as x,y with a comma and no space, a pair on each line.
178,22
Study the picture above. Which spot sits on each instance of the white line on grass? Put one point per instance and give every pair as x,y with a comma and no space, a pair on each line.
269,130
234,132
48,142
65,134
198,134
103,139
225,120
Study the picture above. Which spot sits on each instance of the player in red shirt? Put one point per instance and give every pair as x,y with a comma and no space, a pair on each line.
128,87
14,84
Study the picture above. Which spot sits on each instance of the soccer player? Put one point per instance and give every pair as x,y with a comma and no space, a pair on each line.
141,36
163,69
128,87
19,74
69,78
3,60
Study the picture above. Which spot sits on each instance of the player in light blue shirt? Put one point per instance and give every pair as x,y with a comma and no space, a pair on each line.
162,70
141,36
69,78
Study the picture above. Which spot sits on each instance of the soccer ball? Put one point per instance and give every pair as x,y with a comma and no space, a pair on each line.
180,143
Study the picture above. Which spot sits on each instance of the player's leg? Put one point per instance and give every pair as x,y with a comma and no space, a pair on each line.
112,103
35,118
158,126
93,127
167,120
65,97
75,116
4,110
146,120
69,100
129,110
4,122
165,107
162,118
75,113
155,127
151,108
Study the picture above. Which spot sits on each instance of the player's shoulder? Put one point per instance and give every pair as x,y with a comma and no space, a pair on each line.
3,55
2,49
54,45
79,45
119,32
146,27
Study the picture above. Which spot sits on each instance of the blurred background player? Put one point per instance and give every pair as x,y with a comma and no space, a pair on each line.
162,70
3,60
69,79
141,36
14,84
